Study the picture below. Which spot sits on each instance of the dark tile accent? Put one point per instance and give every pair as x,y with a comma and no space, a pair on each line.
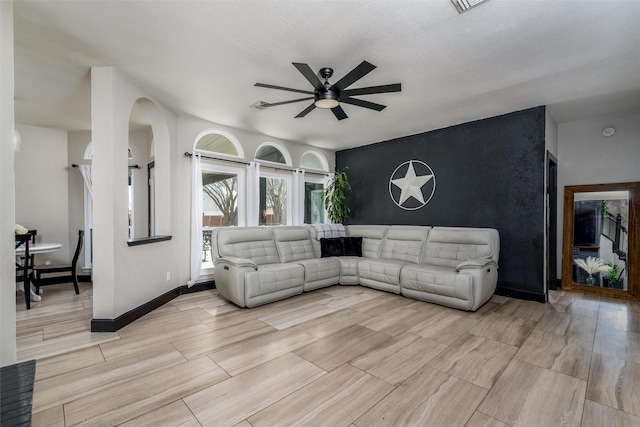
16,393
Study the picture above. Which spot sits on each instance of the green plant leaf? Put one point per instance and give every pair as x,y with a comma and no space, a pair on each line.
333,197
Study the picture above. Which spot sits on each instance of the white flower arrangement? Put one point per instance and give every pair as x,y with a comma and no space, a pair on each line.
593,265
20,229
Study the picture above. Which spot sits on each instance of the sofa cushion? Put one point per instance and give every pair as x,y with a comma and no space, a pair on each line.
254,244
320,269
404,243
332,247
438,280
372,237
380,270
448,246
349,270
293,243
271,278
326,231
341,246
353,246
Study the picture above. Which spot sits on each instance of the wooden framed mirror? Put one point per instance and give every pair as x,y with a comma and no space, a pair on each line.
601,221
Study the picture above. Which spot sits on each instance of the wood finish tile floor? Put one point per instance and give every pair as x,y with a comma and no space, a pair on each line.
339,356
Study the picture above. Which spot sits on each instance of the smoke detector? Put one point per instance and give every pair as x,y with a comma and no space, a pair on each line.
464,5
608,131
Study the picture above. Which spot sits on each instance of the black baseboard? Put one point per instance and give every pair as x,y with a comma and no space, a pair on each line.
203,286
519,294
112,325
84,278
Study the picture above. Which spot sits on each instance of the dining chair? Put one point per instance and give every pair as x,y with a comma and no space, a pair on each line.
44,270
23,271
32,257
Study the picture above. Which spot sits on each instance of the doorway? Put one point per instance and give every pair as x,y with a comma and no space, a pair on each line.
151,197
552,221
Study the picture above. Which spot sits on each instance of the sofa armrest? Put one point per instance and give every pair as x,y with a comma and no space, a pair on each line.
476,263
233,261
230,275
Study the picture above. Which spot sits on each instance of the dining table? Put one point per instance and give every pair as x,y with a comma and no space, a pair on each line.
34,249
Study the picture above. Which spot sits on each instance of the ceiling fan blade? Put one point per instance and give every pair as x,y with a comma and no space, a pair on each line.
306,111
273,104
362,103
354,75
308,73
396,87
339,113
282,88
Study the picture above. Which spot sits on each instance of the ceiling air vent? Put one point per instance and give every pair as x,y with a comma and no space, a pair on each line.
464,5
261,105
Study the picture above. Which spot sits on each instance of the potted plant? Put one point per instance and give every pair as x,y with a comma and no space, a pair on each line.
592,265
605,209
613,279
334,195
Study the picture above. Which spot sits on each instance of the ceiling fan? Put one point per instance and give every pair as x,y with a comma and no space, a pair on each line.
327,95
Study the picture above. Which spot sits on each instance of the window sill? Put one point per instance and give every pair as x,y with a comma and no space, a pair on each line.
147,240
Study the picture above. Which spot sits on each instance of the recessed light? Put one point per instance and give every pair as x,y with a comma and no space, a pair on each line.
608,131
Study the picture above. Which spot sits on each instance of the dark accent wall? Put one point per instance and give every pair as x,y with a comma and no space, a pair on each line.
489,173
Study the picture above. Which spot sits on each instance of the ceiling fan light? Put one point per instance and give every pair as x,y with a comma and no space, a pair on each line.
326,100
327,103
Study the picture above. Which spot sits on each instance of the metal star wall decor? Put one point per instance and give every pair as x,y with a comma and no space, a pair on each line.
412,186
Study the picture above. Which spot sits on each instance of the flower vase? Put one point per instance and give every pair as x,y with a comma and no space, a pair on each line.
591,281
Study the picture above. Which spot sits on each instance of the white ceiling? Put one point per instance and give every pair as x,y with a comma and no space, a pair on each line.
201,58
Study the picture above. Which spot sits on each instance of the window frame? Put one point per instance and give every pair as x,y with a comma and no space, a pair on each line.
285,154
218,154
317,155
269,172
208,165
314,179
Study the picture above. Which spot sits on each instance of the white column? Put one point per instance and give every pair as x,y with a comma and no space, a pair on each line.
7,191
253,193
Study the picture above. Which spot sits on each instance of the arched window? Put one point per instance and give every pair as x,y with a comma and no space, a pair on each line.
272,152
217,142
313,160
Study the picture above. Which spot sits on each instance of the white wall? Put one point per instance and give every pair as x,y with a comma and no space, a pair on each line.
585,156
7,190
588,157
42,189
126,277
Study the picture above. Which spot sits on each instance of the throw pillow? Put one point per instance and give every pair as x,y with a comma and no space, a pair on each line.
332,247
353,246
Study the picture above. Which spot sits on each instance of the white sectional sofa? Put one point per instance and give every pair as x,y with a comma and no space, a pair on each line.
451,266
